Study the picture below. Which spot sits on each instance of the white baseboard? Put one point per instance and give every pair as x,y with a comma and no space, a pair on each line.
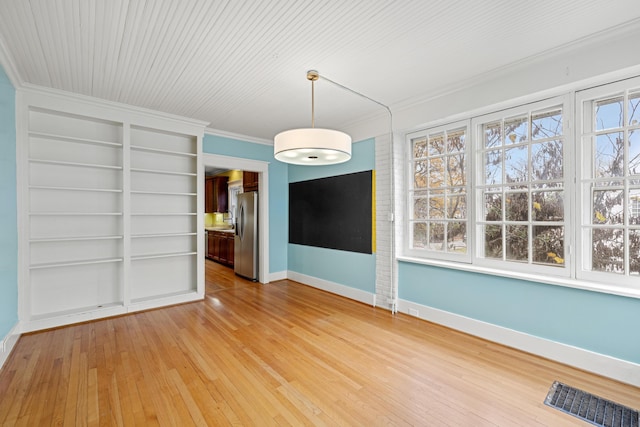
279,275
334,288
8,342
611,367
64,319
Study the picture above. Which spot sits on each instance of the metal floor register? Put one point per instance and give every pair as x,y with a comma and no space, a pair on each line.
590,408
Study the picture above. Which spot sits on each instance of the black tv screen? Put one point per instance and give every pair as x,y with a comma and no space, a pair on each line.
333,212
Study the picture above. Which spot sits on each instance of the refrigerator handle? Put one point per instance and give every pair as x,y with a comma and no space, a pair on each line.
240,222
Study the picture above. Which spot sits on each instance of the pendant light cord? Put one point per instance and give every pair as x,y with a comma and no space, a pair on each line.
393,277
313,104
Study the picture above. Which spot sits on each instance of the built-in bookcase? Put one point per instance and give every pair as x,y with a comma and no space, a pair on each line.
75,213
164,224
111,213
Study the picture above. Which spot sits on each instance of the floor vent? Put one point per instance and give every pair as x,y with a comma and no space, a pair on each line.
590,408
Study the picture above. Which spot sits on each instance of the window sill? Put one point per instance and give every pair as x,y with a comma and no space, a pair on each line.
545,280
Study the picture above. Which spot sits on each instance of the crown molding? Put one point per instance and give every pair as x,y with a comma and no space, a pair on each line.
404,112
237,136
104,103
609,35
9,66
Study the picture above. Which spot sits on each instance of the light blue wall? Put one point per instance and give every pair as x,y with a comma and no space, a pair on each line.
593,321
346,268
278,191
8,208
602,323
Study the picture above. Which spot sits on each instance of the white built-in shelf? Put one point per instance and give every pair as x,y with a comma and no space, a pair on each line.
79,310
75,213
160,151
163,193
74,263
167,295
77,231
74,139
142,236
73,239
45,187
165,214
166,255
163,172
75,164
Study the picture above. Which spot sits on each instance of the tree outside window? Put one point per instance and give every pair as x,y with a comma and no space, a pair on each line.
522,188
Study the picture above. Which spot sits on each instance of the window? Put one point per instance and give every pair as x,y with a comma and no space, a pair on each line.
520,187
550,188
438,200
610,182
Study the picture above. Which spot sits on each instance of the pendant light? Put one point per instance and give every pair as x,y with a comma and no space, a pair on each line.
312,146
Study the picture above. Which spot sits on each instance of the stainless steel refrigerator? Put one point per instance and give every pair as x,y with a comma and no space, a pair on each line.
246,239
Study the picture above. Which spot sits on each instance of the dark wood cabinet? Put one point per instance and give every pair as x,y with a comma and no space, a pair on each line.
249,181
211,246
231,249
208,195
215,194
222,247
214,244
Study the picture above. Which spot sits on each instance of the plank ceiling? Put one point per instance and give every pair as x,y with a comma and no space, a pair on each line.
241,65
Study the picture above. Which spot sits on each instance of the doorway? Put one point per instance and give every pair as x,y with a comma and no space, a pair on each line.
262,168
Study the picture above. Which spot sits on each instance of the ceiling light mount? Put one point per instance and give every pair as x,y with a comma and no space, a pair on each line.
313,75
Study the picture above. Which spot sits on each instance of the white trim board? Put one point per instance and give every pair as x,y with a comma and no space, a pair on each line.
278,275
611,367
8,343
238,136
334,288
117,310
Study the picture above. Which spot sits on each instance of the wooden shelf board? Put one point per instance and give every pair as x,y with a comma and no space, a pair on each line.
162,193
143,236
74,164
165,214
163,296
74,139
45,187
75,213
162,151
162,172
79,310
169,255
74,238
74,263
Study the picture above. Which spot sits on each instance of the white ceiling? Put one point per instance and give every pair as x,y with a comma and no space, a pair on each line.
241,65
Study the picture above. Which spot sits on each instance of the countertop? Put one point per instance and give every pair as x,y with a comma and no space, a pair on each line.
222,229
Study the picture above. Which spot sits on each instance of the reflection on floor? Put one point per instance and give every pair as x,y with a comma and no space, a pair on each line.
218,277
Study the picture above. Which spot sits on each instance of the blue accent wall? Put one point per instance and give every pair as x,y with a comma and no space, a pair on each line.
8,208
345,268
278,191
594,321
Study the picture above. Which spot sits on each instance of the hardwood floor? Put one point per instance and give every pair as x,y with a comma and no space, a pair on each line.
280,354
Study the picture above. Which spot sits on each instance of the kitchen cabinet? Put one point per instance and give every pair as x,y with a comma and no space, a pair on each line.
209,206
221,247
215,191
230,249
249,181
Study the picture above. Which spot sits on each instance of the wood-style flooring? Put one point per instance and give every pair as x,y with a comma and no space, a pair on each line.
279,354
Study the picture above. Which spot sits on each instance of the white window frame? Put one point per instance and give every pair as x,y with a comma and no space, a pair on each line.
584,142
447,254
574,275
563,102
